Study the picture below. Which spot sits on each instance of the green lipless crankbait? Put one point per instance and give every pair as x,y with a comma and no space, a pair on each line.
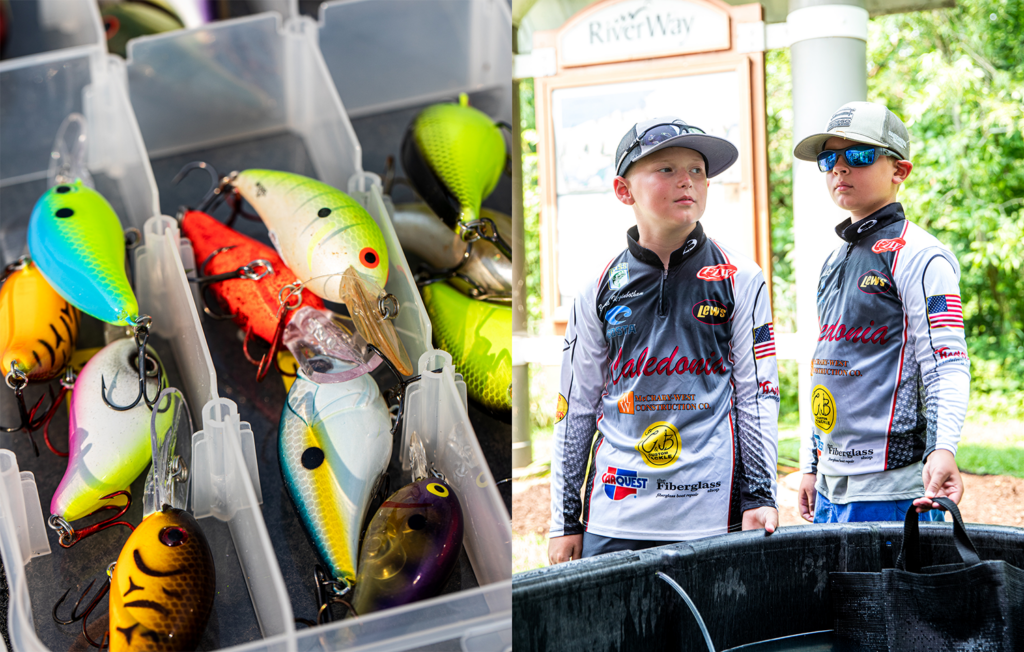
76,241
478,335
454,155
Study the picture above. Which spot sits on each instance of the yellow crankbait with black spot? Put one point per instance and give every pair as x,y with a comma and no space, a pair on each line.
162,589
454,155
38,328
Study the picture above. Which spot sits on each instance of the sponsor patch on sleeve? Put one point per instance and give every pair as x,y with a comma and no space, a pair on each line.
945,311
717,272
561,408
893,244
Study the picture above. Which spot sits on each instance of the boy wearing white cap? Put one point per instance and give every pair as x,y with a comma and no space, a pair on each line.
668,403
891,372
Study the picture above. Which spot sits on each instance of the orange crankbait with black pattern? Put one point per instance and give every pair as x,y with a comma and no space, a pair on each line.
162,589
38,328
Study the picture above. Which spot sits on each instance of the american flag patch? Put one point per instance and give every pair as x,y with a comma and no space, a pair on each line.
945,311
764,341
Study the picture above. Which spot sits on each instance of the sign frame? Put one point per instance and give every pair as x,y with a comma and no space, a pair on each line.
753,130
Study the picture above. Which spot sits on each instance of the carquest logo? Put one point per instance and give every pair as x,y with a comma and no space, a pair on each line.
823,406
711,312
620,483
894,244
612,316
659,444
717,273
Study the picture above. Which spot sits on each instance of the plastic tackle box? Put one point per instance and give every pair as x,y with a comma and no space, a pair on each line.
250,92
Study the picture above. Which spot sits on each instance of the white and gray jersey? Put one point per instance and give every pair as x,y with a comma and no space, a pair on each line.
669,397
891,372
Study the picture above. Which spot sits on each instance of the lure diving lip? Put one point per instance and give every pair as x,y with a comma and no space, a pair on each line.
453,155
76,240
412,544
163,586
334,445
107,448
38,328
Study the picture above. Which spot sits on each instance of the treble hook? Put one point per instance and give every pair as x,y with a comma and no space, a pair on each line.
17,380
329,591
215,189
247,271
403,383
66,384
263,366
69,536
142,325
84,616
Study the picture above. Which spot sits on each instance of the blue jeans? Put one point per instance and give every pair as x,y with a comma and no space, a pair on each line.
873,510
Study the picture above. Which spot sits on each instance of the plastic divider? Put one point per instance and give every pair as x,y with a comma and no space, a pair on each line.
23,507
214,489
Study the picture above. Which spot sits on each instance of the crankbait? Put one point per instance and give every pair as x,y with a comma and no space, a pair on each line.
254,300
453,156
127,19
477,268
107,448
76,240
38,328
478,335
411,547
334,446
162,588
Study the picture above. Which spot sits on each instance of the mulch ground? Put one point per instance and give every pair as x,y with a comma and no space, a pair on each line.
995,499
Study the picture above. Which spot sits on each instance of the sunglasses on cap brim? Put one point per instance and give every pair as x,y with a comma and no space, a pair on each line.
858,156
658,134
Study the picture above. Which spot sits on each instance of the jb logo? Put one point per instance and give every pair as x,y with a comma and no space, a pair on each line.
823,406
613,315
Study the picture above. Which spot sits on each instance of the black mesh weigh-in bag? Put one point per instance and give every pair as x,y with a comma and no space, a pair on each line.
975,605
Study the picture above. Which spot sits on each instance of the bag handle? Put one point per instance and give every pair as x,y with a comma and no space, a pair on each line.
909,558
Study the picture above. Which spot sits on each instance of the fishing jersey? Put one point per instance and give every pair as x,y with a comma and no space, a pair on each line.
891,373
669,397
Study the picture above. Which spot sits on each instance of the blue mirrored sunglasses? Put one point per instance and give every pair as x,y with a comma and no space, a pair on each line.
858,156
658,134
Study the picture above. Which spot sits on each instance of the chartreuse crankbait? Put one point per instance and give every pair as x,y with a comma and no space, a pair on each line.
454,155
334,446
478,335
38,328
77,242
107,448
162,588
411,547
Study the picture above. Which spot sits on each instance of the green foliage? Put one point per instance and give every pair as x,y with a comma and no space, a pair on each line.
789,391
531,206
789,451
956,78
779,107
991,460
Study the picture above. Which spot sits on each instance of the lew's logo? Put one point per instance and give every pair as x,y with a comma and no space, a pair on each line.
711,312
626,403
894,244
619,483
874,282
717,273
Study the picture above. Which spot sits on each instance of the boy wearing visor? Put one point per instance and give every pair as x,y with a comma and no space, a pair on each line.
891,373
669,397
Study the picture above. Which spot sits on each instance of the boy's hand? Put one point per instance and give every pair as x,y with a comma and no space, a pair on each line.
941,478
565,548
762,517
806,496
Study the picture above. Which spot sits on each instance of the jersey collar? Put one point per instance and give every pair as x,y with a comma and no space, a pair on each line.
693,244
880,219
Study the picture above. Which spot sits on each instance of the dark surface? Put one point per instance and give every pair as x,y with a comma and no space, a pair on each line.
746,586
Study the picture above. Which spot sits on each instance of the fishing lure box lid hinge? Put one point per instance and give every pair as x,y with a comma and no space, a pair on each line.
213,475
19,503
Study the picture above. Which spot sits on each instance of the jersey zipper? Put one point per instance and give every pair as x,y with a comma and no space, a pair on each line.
842,268
661,295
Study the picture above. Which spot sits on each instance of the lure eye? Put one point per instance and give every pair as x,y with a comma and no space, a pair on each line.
369,258
417,522
312,457
324,212
63,189
65,212
437,489
173,536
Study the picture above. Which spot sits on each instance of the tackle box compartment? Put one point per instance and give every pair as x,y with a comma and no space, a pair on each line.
280,94
38,26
